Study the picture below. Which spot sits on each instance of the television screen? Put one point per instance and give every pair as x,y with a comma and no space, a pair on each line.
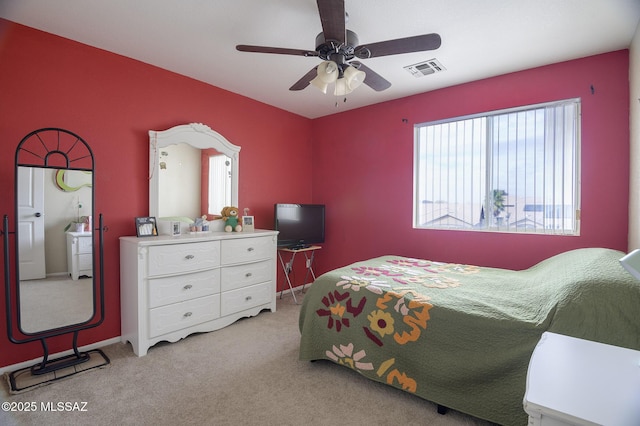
299,225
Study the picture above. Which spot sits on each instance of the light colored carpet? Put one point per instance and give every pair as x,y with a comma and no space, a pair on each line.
55,302
245,374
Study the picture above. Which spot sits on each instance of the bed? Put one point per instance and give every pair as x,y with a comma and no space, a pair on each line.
461,336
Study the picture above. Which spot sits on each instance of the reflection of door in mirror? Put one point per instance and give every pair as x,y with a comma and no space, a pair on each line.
49,200
31,223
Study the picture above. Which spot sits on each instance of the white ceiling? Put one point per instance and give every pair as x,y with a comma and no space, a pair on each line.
197,38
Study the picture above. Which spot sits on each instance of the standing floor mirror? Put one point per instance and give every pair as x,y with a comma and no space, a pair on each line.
54,281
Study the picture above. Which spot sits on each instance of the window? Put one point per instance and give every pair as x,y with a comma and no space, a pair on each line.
219,183
514,170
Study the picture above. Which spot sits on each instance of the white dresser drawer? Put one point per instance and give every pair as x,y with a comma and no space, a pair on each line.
181,315
180,258
178,288
85,261
245,298
172,286
84,244
239,276
247,250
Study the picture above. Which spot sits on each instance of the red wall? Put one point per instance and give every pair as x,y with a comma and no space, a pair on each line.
112,102
365,176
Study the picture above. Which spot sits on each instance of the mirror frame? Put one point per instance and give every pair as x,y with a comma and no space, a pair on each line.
197,135
36,150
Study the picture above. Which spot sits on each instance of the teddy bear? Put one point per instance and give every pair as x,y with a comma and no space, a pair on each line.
230,216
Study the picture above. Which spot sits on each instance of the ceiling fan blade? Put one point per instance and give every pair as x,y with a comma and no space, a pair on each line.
304,81
401,45
278,50
332,17
372,78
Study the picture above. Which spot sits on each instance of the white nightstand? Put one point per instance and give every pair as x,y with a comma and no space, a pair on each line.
578,382
79,254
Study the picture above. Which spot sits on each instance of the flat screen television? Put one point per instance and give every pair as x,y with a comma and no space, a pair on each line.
299,225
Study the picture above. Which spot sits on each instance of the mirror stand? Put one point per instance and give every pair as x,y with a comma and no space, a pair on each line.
26,311
36,375
47,365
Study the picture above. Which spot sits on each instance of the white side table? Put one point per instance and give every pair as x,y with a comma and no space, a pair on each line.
308,266
578,382
79,254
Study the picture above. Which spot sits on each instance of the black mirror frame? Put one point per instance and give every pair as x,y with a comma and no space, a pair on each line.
37,149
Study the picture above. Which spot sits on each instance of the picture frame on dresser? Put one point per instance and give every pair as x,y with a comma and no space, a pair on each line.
146,227
176,229
247,223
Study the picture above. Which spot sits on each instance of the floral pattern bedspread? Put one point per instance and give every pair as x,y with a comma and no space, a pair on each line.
457,335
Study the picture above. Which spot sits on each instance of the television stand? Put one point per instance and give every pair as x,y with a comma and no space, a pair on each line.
309,254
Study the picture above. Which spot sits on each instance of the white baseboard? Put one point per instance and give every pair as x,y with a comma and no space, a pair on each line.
296,289
34,361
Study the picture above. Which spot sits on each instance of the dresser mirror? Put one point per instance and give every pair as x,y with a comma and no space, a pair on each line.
57,261
193,171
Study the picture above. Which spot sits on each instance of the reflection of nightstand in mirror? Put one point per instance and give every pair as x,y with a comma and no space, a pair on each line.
79,254
309,253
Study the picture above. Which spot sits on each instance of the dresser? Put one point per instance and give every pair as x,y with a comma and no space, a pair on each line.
171,287
79,254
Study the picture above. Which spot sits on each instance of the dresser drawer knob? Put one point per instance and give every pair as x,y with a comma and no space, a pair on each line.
250,249
189,256
187,287
187,314
248,274
247,298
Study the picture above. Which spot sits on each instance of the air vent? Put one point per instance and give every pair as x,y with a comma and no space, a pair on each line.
421,69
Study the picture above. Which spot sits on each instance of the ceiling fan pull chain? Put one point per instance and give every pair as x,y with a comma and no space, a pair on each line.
337,104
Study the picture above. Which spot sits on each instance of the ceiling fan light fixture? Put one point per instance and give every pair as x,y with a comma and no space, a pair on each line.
342,87
353,77
320,84
337,46
328,71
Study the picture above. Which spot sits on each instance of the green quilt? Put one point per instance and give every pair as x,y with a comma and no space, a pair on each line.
462,336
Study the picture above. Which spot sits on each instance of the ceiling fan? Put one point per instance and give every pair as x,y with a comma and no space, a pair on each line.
337,47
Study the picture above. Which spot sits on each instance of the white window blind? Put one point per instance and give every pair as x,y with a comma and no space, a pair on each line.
514,170
219,179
